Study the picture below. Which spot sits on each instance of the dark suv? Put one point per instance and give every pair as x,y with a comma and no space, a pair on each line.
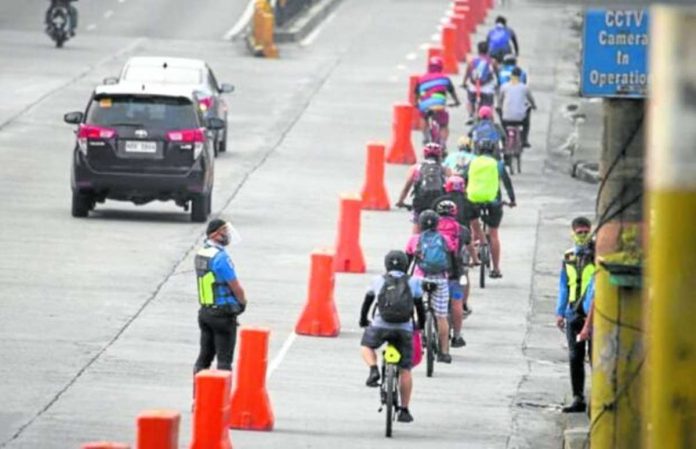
142,143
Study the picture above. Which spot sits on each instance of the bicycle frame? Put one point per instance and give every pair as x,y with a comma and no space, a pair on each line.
389,388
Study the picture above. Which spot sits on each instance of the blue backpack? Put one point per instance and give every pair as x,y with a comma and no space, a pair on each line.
481,71
485,130
431,253
499,40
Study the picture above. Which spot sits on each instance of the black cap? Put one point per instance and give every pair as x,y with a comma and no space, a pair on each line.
501,20
517,71
214,225
581,222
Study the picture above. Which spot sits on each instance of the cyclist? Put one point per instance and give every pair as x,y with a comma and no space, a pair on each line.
505,71
458,161
431,93
72,13
385,328
432,254
480,80
483,177
516,103
487,129
459,237
501,39
427,180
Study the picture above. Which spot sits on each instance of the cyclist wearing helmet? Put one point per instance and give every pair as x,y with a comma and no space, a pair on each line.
392,322
486,129
427,180
505,71
501,39
432,254
458,161
431,93
479,80
483,178
458,237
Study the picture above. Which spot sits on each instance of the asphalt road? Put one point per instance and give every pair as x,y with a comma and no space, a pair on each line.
97,318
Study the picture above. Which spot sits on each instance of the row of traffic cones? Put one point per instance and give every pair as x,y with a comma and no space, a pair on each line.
217,406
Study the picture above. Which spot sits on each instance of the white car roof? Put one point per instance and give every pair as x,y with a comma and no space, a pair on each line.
159,61
126,88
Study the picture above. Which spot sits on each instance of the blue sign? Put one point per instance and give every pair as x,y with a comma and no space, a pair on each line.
615,53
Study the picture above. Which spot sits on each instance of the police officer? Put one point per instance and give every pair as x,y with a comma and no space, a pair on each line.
575,295
221,298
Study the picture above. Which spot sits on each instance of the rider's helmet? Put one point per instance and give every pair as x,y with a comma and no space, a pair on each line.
482,47
486,146
454,184
396,260
485,113
510,59
427,220
446,208
435,64
432,149
464,143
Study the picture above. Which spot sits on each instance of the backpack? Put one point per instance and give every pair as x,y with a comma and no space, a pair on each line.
429,186
395,301
499,40
481,71
485,130
431,253
484,180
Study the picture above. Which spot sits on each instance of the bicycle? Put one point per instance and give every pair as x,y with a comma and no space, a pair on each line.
484,250
389,388
433,131
513,146
431,339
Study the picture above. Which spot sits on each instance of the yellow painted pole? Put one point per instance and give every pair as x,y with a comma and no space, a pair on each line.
670,394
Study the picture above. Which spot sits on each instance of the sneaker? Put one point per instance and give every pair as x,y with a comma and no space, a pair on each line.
373,378
577,406
458,342
467,311
404,415
495,274
444,358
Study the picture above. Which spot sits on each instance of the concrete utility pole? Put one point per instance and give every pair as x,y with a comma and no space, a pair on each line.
670,394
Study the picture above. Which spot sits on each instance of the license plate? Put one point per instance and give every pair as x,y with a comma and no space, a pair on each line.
140,146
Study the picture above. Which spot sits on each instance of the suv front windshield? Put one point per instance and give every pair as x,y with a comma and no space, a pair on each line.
142,111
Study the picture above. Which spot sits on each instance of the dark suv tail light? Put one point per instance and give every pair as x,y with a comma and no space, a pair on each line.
93,132
189,139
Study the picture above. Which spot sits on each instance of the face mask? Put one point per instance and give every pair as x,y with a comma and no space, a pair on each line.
581,239
224,239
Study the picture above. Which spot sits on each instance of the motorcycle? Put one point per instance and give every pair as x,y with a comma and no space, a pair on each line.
58,25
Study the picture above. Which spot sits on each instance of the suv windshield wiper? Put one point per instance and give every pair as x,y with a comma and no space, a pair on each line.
135,125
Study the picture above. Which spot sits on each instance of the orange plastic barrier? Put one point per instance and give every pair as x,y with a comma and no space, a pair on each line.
211,411
349,256
319,317
374,193
105,445
449,49
475,9
463,41
250,408
158,429
469,19
401,149
417,122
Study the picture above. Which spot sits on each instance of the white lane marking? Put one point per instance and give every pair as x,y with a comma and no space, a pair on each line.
411,56
424,46
242,22
313,35
108,14
275,363
401,67
435,37
121,1
91,27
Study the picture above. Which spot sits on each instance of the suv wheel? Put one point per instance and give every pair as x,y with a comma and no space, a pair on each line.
222,147
81,204
200,207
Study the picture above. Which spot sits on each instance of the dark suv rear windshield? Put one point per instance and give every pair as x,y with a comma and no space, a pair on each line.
142,111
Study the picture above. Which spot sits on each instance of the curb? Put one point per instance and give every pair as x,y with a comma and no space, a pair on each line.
586,171
577,431
305,22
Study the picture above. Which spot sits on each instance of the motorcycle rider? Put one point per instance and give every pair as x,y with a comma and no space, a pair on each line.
72,14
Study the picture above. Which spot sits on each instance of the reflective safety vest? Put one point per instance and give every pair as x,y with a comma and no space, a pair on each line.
210,292
484,180
579,271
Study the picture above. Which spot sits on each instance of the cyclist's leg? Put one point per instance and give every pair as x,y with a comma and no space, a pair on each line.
457,309
440,307
476,235
403,342
494,218
371,340
442,118
471,104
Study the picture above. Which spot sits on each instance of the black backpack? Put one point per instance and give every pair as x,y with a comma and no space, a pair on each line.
430,186
395,301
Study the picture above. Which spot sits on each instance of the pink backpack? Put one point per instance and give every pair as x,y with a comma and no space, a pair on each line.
449,228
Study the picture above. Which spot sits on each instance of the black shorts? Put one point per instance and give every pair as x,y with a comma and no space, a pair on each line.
486,99
494,216
374,337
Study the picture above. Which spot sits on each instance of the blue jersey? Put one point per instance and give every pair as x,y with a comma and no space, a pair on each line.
222,267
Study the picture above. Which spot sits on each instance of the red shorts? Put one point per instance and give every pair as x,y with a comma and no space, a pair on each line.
441,116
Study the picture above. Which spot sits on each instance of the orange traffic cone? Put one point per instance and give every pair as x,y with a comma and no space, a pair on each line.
249,404
449,49
463,41
158,429
417,122
374,193
349,256
211,411
401,149
105,445
319,317
469,19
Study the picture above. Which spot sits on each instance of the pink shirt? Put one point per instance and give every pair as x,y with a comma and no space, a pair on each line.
412,246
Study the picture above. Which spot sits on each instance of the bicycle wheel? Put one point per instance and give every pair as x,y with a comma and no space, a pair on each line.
430,342
483,258
391,399
519,162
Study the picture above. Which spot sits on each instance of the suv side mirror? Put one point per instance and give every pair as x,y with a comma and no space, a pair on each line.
214,123
110,80
226,88
74,118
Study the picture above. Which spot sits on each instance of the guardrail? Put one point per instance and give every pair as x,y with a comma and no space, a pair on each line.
285,10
